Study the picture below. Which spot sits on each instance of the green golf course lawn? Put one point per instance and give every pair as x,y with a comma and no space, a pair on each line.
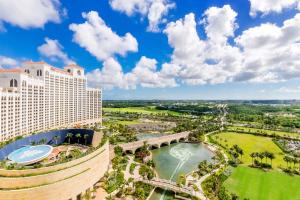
256,184
251,143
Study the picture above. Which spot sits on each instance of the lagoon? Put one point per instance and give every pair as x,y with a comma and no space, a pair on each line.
174,160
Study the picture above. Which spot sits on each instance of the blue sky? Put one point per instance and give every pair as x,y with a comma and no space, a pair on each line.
162,49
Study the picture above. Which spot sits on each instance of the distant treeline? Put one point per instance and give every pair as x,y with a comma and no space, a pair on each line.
260,109
129,103
189,109
253,109
141,103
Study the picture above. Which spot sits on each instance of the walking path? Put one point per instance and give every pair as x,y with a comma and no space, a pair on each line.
135,174
213,148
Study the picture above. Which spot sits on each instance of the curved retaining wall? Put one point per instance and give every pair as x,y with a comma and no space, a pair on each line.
48,137
59,182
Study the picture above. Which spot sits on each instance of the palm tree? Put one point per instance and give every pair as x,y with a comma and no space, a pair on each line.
55,138
231,152
266,153
287,160
43,141
78,136
85,136
294,160
241,152
69,136
261,156
271,157
253,155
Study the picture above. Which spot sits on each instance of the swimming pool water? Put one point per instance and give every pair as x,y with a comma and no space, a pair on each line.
30,154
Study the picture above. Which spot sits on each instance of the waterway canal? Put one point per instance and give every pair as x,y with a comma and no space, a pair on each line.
176,159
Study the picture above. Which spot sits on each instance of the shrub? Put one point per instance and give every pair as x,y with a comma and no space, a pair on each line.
132,167
146,172
118,151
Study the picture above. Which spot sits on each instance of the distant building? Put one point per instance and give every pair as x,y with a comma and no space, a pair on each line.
39,96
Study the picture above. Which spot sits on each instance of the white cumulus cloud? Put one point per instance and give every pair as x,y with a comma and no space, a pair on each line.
30,13
271,52
7,62
200,61
144,74
268,6
220,23
155,10
54,50
263,53
99,39
111,75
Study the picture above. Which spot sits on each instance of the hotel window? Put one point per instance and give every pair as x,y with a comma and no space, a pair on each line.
13,83
39,72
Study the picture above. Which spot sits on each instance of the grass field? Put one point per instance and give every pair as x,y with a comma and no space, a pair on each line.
269,132
142,110
256,184
251,143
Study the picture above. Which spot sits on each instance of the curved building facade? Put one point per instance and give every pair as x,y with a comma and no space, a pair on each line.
70,180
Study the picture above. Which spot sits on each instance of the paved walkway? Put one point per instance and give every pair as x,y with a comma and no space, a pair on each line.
135,174
213,148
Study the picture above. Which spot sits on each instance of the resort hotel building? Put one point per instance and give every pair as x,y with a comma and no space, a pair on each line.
39,97
62,161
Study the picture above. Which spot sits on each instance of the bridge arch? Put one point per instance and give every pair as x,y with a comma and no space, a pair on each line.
163,144
173,141
130,151
154,146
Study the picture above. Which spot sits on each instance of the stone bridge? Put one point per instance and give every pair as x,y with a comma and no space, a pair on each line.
156,142
169,185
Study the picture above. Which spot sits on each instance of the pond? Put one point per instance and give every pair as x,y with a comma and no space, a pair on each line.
176,159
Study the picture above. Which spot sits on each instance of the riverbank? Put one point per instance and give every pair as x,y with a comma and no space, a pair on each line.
176,159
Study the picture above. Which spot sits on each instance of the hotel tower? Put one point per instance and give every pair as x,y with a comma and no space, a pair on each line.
39,97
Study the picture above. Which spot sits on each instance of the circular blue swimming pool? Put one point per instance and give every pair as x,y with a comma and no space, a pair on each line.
30,154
